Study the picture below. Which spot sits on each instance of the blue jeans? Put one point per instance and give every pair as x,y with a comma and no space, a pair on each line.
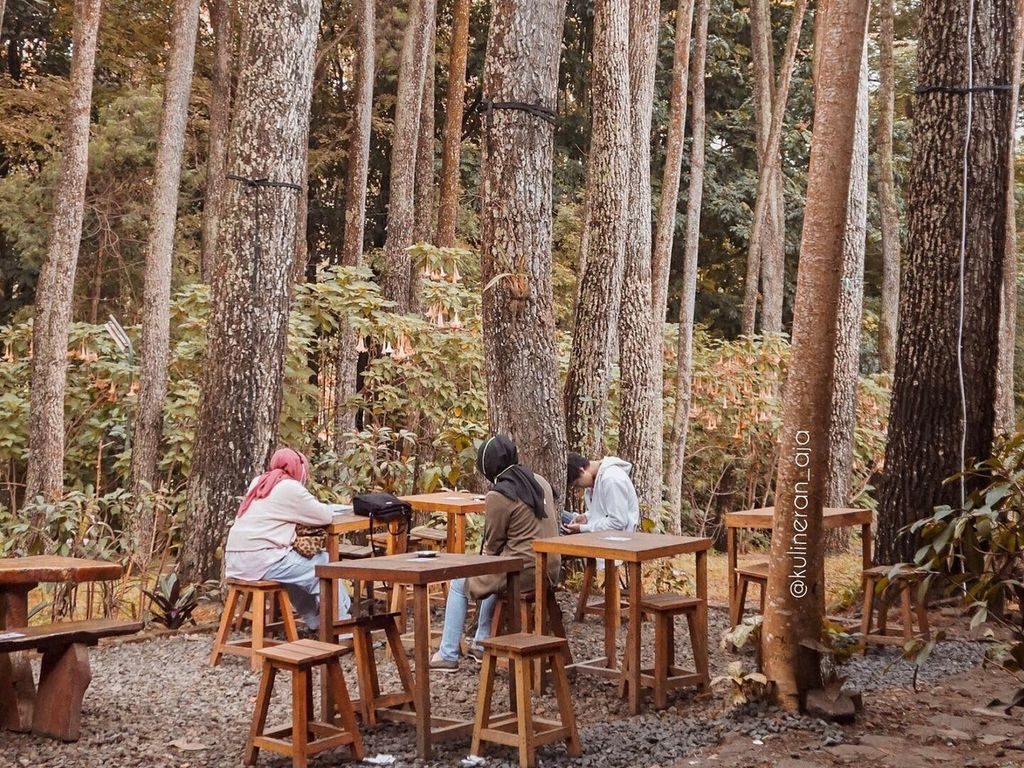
455,619
298,574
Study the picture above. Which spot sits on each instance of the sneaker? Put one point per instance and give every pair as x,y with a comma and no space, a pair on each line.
474,651
441,664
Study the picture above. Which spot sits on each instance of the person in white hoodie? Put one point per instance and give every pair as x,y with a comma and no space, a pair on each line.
609,496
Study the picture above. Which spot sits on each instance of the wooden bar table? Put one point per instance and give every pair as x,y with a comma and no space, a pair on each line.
345,523
419,573
764,519
18,577
634,549
456,505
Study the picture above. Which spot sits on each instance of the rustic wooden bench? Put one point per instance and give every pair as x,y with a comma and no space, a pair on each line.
65,673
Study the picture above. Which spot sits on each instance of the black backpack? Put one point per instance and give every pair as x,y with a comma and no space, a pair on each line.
383,509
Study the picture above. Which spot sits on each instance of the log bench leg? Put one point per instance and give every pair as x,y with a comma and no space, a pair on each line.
17,687
63,679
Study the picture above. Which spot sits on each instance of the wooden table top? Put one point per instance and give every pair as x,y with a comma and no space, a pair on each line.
621,545
412,569
764,518
51,568
451,502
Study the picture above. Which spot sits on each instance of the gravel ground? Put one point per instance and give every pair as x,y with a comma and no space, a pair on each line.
159,704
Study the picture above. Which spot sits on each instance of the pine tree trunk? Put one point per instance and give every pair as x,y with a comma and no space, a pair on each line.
402,197
221,12
55,289
423,215
851,304
688,297
927,441
640,392
156,306
520,355
889,214
604,234
1006,417
796,600
240,391
767,181
448,207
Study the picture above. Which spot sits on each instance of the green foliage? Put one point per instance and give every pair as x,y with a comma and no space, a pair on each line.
172,606
745,686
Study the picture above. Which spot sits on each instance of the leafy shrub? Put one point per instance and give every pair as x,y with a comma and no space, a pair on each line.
173,605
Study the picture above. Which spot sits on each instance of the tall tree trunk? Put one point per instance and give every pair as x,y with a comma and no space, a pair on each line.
55,289
796,599
401,198
851,304
930,431
1006,417
772,248
423,215
448,207
240,391
222,13
300,262
640,392
766,180
604,234
520,354
156,306
355,207
688,296
889,213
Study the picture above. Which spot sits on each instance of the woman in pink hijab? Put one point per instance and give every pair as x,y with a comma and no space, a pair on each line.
260,541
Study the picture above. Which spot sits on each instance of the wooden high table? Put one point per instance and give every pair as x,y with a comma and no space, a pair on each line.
18,577
419,573
349,522
456,505
634,549
764,519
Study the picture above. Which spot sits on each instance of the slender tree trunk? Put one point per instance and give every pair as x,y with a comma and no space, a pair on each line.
520,354
55,289
796,600
448,207
931,433
889,213
851,304
240,391
766,181
300,263
221,12
1006,417
640,393
423,218
604,234
401,198
688,297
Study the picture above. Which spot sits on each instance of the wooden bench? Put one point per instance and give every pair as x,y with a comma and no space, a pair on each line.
65,672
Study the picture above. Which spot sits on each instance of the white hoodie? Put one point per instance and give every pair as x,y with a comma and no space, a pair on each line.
612,504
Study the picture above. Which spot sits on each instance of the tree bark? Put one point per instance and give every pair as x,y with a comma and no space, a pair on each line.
931,433
766,181
1006,416
401,199
240,391
640,388
888,209
221,13
688,296
604,235
851,304
520,353
156,306
448,207
796,599
55,289
423,214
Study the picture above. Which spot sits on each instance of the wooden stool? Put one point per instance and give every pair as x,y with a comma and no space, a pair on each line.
293,740
527,603
586,608
520,728
665,675
251,598
429,538
905,581
747,575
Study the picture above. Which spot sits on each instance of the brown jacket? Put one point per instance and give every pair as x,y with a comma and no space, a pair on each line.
509,529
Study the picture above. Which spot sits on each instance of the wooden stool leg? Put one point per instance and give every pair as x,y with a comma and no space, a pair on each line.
906,611
224,630
883,613
300,719
922,615
291,631
63,678
589,574
483,702
699,647
259,627
763,588
664,657
365,673
259,718
524,715
246,604
498,620
741,601
867,611
394,638
343,707
564,697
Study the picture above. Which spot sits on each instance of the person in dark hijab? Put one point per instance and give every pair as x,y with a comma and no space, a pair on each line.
519,509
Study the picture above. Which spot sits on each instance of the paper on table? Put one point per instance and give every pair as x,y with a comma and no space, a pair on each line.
11,635
616,538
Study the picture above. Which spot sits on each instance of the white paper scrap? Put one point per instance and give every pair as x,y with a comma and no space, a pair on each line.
380,760
473,760
11,635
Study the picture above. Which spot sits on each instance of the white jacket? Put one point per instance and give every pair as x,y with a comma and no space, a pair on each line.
612,504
